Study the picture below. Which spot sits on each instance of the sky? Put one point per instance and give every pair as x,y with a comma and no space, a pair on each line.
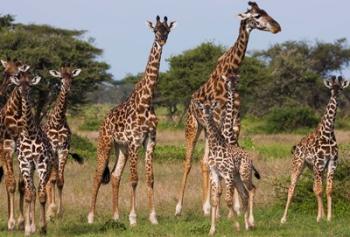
119,28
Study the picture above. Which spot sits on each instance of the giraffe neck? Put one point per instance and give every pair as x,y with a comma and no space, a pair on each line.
326,126
232,59
213,133
144,89
29,127
230,126
4,90
58,114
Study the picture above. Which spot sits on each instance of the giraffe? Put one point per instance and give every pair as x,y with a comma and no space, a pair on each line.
214,88
225,161
319,152
228,133
34,153
59,134
10,125
128,126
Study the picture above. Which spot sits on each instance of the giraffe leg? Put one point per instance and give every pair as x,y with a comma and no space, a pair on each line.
21,190
192,133
149,146
205,176
236,204
318,193
43,171
219,200
246,176
214,180
103,149
9,147
229,200
243,193
51,190
32,212
298,167
132,153
329,190
62,158
121,158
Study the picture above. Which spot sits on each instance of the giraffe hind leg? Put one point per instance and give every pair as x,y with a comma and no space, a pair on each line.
329,189
62,157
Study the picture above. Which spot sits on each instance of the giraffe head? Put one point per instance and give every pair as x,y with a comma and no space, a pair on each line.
11,67
207,108
24,79
161,29
336,84
66,73
256,18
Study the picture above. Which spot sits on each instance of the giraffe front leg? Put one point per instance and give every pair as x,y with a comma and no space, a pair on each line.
318,193
121,158
103,149
43,172
191,134
205,176
298,167
21,190
329,190
132,152
51,190
62,160
32,211
149,146
10,182
214,181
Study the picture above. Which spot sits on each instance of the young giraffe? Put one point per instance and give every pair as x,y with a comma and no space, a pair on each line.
319,152
128,126
225,162
59,134
34,153
228,132
10,125
214,88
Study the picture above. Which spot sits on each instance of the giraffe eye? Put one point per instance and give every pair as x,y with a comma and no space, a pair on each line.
257,16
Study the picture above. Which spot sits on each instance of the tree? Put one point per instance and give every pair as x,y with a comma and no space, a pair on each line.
43,48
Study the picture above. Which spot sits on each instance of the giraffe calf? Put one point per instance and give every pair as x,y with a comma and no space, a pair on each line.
228,163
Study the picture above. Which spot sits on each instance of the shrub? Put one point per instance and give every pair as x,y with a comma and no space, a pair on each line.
83,147
288,119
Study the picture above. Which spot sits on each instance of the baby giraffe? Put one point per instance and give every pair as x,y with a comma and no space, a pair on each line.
224,162
34,153
319,152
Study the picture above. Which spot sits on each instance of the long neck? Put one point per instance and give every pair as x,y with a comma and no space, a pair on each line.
28,119
232,59
58,114
326,126
213,133
13,109
4,90
144,89
231,124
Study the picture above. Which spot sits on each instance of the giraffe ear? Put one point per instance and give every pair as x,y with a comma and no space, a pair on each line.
24,68
35,80
150,25
327,83
14,80
76,72
4,63
345,83
172,25
243,16
55,73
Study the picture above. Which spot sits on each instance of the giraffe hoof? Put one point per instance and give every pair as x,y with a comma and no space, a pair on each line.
206,209
59,213
212,231
153,218
91,218
27,231
132,220
116,216
51,212
32,228
11,224
178,210
20,223
283,220
43,230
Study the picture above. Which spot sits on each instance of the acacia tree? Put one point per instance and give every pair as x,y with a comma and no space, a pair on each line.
45,47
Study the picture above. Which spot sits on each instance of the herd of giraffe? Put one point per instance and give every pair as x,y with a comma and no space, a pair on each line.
214,108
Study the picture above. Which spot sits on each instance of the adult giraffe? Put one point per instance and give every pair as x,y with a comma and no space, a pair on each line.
214,89
128,126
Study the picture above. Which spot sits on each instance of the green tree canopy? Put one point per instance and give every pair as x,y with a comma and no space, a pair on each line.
45,47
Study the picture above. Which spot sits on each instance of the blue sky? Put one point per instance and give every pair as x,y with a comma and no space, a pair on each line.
119,26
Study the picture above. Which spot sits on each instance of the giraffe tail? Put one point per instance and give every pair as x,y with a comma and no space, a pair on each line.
256,173
77,158
106,176
1,173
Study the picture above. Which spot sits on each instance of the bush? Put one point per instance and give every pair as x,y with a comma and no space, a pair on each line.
83,147
288,119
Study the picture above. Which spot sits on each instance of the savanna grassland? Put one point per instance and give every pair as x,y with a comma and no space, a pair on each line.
271,153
